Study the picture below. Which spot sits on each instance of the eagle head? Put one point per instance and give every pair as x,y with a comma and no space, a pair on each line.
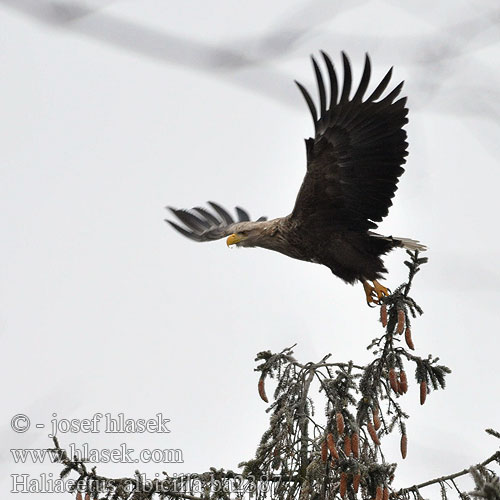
253,234
246,234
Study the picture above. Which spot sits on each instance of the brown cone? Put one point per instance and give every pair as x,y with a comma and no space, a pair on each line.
262,390
373,433
355,482
404,446
393,380
423,391
376,418
355,444
401,321
343,484
347,446
324,451
403,382
408,338
340,423
383,315
331,445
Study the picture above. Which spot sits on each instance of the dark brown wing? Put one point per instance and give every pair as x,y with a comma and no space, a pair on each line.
355,158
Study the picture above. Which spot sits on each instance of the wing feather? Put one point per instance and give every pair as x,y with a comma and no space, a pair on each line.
190,220
354,161
365,79
199,224
334,87
309,101
188,234
242,214
211,219
321,87
223,213
381,86
346,89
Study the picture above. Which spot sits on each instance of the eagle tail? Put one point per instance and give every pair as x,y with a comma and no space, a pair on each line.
407,243
410,244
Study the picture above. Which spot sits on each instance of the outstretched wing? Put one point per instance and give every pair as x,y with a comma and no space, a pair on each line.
202,225
355,158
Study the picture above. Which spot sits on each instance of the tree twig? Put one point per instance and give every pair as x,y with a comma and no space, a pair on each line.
495,456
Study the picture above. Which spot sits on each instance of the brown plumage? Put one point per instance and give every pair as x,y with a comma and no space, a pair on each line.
353,166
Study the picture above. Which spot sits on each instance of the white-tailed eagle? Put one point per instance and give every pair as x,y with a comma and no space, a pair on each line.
353,166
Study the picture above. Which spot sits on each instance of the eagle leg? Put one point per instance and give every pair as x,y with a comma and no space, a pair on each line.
374,293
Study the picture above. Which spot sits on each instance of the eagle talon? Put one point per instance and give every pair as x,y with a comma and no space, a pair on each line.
374,294
370,294
380,290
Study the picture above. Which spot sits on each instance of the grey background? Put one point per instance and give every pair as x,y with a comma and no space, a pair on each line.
112,110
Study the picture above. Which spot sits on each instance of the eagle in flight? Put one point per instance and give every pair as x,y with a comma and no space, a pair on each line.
353,167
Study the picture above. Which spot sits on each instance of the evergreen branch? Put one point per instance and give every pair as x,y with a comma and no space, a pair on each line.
443,479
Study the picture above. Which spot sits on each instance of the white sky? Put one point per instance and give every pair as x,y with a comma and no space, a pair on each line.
111,114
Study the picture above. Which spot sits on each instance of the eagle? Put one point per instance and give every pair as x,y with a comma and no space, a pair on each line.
354,162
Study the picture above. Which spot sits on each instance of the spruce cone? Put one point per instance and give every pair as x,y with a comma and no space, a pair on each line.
331,445
355,444
401,321
355,482
376,418
340,423
404,446
393,380
347,446
373,433
423,391
383,315
343,484
262,390
324,451
403,382
408,338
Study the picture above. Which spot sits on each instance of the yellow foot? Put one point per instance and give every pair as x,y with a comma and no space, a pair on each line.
380,290
374,293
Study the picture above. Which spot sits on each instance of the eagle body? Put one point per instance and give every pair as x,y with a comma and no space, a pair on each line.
351,255
354,162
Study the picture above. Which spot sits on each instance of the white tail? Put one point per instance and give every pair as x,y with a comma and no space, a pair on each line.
407,243
410,244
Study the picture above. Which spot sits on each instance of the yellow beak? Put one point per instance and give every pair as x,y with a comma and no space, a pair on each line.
233,239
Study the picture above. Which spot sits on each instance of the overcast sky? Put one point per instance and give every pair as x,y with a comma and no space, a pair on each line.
112,110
